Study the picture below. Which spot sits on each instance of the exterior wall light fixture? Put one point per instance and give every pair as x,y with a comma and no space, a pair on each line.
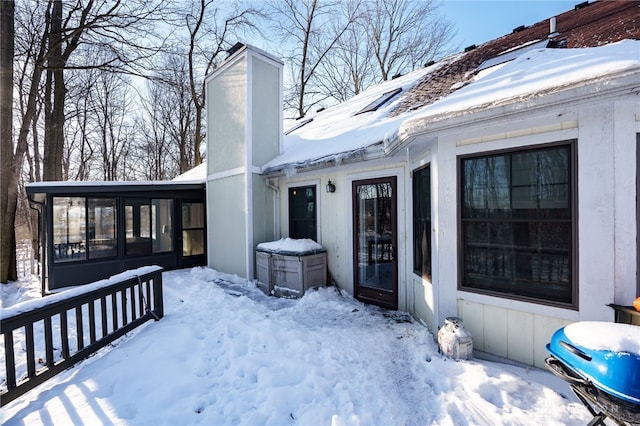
331,187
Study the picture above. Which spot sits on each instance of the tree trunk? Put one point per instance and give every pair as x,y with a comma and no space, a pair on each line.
8,185
54,100
198,131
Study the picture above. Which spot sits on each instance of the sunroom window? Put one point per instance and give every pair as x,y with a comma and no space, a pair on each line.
148,226
517,224
69,229
102,227
193,229
84,227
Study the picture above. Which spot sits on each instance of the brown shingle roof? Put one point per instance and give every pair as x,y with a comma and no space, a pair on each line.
594,24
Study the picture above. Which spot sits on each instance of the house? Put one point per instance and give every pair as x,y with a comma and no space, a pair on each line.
498,185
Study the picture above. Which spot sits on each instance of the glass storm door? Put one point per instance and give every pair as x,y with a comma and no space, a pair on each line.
375,241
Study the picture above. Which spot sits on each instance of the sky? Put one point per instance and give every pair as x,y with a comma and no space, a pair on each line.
479,21
225,353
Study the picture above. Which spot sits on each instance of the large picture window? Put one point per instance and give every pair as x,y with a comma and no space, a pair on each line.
302,213
84,227
517,224
422,222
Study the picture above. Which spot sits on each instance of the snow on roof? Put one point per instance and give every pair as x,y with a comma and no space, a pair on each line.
78,187
533,74
197,174
336,132
339,130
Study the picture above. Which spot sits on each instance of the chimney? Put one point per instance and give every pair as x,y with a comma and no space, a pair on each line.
244,130
552,25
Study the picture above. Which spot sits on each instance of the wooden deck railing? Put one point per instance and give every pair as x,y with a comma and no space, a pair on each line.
110,311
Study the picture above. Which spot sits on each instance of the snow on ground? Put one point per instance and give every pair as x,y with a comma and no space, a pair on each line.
226,354
19,291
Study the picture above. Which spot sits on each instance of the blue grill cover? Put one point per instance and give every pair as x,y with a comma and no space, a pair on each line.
616,373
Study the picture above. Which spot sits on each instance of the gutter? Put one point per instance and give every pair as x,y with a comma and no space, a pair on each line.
370,152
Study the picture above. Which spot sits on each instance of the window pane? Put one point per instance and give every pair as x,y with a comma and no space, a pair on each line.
475,183
517,229
102,228
145,221
422,222
302,212
162,211
69,229
192,215
192,242
138,227
497,186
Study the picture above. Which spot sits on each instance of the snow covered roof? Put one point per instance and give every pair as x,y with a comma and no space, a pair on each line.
530,67
191,179
84,187
532,75
339,132
197,175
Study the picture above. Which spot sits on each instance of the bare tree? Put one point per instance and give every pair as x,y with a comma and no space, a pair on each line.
202,32
349,68
8,184
168,142
79,152
405,34
53,31
390,37
111,26
310,29
212,31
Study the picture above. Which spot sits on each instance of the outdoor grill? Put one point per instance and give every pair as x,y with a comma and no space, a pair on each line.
606,380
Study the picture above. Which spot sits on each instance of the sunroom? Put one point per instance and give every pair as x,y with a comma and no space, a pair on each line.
93,230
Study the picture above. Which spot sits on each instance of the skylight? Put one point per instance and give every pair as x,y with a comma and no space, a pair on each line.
297,126
383,99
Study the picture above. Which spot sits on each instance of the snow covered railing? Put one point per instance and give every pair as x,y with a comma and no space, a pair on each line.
110,307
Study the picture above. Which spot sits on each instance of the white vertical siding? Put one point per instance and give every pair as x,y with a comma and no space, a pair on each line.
596,212
226,119
266,115
509,333
226,217
625,148
445,249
